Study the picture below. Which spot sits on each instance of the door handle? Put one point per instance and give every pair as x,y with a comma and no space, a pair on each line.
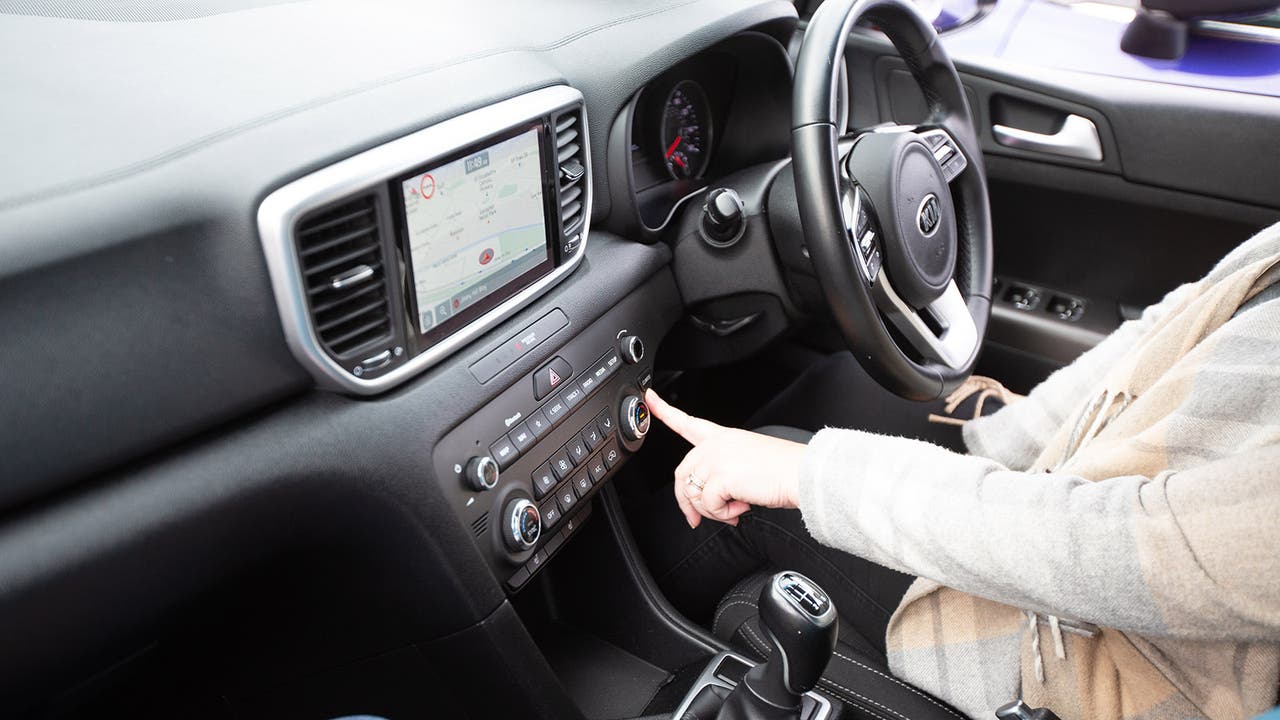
1077,138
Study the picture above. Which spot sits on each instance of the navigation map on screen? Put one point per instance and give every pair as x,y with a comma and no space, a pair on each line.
474,225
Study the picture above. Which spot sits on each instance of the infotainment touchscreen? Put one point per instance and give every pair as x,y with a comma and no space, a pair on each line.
476,230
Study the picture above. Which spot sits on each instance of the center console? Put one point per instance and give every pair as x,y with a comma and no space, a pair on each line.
523,469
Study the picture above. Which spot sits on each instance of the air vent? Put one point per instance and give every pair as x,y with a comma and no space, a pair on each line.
480,526
572,160
344,278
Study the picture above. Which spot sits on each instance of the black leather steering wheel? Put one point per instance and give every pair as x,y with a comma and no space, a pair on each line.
896,221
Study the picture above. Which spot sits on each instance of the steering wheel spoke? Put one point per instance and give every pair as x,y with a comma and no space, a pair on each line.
943,331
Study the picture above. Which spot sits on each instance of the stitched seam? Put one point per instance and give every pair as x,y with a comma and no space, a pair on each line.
716,620
886,708
853,701
767,651
107,177
896,680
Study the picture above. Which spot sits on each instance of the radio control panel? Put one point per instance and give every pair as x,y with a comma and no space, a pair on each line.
524,469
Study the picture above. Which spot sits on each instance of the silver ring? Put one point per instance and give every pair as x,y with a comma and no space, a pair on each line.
693,480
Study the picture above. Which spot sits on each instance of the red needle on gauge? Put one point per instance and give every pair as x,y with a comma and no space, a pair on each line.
675,144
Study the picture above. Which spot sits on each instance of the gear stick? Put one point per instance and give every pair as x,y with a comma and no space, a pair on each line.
800,624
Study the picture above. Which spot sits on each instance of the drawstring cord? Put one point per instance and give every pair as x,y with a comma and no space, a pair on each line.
1059,645
984,388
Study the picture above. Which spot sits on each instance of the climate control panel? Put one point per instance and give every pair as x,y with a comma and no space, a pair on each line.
525,467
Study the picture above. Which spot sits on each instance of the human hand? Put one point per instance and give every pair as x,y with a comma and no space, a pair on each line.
736,468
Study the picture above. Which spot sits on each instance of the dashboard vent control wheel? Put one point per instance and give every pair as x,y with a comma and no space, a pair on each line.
340,255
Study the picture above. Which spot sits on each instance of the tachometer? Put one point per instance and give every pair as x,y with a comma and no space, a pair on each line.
686,131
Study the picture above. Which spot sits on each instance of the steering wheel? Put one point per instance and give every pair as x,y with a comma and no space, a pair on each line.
897,226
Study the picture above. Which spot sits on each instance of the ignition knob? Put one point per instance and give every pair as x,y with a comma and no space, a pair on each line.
524,525
482,473
635,417
632,349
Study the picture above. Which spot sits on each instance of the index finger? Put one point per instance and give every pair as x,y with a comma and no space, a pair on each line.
693,429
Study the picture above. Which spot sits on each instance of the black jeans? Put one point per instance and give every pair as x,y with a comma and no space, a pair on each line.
697,567
865,593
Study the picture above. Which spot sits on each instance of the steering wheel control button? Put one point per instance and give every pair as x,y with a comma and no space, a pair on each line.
635,418
632,348
524,525
549,377
504,451
522,436
538,423
481,473
724,218
550,513
604,421
544,481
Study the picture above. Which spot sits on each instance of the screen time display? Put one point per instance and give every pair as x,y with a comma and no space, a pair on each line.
474,225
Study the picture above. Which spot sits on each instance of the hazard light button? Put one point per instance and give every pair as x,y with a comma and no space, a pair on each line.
550,376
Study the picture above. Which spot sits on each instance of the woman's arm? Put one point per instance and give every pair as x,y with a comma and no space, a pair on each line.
1190,554
1186,555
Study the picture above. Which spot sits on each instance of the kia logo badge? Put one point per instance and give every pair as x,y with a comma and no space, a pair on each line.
929,216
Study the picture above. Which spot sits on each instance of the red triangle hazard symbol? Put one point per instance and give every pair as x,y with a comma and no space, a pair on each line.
555,379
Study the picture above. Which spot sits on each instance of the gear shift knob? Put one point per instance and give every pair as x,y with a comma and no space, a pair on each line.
800,622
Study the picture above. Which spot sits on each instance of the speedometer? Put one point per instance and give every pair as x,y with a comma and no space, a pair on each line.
686,131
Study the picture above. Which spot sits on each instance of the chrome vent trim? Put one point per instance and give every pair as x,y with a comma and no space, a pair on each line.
361,173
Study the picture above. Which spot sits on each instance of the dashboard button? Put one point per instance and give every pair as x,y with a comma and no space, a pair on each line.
573,396
592,436
538,423
504,451
604,421
520,578
550,513
588,384
582,483
535,562
577,450
556,410
612,456
561,465
522,436
612,362
566,497
597,468
544,481
549,377
554,543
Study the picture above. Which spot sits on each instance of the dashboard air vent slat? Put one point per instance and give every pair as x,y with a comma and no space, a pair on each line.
340,254
573,165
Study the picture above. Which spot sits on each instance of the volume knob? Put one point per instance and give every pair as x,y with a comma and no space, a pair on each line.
481,473
635,417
